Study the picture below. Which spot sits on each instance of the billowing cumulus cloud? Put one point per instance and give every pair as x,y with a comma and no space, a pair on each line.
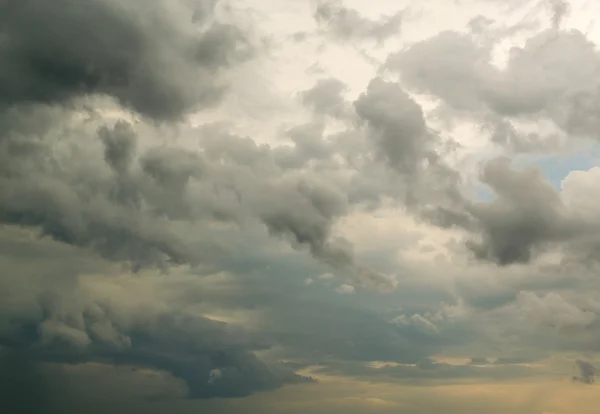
198,212
551,75
397,125
160,62
111,319
526,212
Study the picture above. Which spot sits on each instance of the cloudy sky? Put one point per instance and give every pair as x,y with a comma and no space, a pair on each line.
299,206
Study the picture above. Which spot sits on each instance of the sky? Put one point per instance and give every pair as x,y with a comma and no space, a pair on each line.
299,206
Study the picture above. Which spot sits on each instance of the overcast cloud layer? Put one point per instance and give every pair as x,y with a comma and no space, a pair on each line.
301,206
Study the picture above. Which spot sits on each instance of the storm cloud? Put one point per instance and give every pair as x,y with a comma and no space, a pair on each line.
199,212
155,60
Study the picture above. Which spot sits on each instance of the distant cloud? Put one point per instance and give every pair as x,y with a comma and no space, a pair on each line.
587,372
345,289
347,24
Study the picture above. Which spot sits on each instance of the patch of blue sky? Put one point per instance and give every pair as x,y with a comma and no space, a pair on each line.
554,167
483,193
557,167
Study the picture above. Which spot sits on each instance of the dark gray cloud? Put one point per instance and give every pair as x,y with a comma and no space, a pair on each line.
402,139
104,188
347,24
344,334
115,190
124,321
128,203
397,125
197,213
190,348
130,215
305,211
119,145
78,209
24,386
587,372
158,60
297,205
58,60
221,46
526,214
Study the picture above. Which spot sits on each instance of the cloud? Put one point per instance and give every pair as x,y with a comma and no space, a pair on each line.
422,324
345,289
541,78
102,186
526,213
560,9
397,125
449,65
162,238
117,190
309,146
55,53
118,319
587,372
23,386
528,216
100,212
552,310
400,136
127,203
326,97
426,371
347,24
119,145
